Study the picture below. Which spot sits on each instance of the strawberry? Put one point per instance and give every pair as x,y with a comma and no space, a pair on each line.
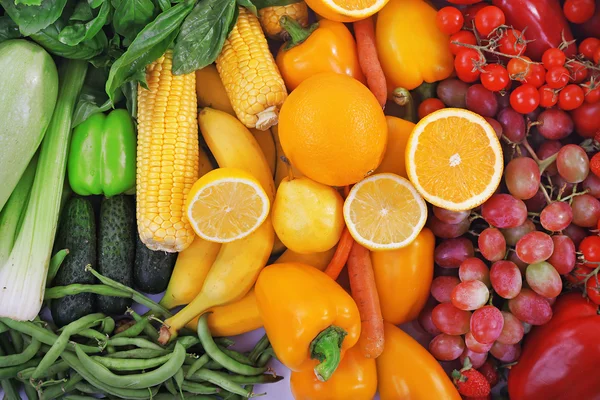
489,371
595,165
471,383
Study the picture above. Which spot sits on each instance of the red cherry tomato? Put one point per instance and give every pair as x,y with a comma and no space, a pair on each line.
579,11
578,71
494,77
464,1
592,289
588,46
590,248
517,68
462,37
570,97
489,18
578,274
592,93
557,77
428,106
597,56
525,98
536,75
553,58
512,42
449,20
467,64
470,12
548,97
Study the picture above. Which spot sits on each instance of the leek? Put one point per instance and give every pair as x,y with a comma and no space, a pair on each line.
23,273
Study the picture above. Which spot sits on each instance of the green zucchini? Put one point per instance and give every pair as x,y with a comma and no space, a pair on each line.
152,269
77,232
116,248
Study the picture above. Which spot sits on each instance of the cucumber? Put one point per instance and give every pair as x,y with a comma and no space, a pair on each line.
152,269
77,232
116,248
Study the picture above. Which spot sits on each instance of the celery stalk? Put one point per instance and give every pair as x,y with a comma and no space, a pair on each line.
23,274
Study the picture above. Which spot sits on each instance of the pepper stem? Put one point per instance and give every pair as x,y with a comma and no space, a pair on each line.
297,33
326,348
403,98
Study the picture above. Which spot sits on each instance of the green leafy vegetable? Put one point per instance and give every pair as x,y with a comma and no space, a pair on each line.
48,38
82,12
33,18
131,16
29,2
271,3
8,29
202,35
164,4
248,4
74,34
93,98
149,45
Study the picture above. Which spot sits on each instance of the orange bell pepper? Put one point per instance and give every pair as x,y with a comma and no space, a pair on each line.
406,370
393,160
355,378
307,316
403,278
325,46
411,48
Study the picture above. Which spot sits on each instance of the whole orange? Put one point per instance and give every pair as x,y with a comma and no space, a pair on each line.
333,130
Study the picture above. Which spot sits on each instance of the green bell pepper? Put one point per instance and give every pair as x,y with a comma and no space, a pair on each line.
102,155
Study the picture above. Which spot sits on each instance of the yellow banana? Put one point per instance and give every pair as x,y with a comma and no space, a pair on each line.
210,90
267,145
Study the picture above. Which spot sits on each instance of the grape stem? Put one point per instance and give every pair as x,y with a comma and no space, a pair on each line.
545,193
573,195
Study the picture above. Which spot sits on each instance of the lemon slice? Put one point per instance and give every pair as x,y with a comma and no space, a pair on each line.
384,212
226,204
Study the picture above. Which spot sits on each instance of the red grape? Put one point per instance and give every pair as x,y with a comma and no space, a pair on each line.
426,321
513,124
576,233
512,332
453,92
512,235
535,247
477,359
450,253
470,295
537,202
573,163
506,353
451,320
496,125
526,327
514,258
504,211
555,124
547,149
522,176
506,279
592,185
486,324
564,187
556,216
492,244
586,211
473,269
476,346
530,307
563,258
543,279
446,347
481,101
447,231
450,217
442,286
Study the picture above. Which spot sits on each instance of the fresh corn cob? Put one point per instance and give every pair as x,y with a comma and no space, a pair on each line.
250,75
167,156
269,18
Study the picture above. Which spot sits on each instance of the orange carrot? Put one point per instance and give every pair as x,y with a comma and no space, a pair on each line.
364,292
367,57
335,266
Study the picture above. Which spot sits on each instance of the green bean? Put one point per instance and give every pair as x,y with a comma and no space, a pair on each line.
54,369
237,356
148,329
11,372
55,263
43,335
260,346
78,397
199,363
265,357
74,362
139,342
190,358
58,292
117,364
224,342
30,391
199,388
216,354
108,325
3,327
232,396
140,353
225,381
58,390
239,379
17,341
93,334
167,396
27,354
186,341
137,381
63,340
134,330
85,387
178,378
7,345
171,387
212,364
10,392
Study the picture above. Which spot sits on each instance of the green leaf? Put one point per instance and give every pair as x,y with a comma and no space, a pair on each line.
8,29
29,2
150,44
202,35
48,38
92,98
271,3
131,16
74,34
33,18
82,12
96,3
248,4
164,4
129,90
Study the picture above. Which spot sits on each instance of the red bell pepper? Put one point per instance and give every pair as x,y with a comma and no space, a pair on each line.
544,20
559,359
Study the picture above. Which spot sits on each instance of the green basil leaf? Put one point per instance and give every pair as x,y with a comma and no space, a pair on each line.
74,34
48,38
29,2
164,4
202,35
96,3
272,3
82,12
248,4
131,16
150,44
33,18
92,98
8,29
130,91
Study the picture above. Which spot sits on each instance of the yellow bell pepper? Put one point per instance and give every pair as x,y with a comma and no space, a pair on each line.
410,46
307,316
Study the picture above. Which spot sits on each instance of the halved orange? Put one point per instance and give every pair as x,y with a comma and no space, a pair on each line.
346,10
384,212
226,204
454,159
